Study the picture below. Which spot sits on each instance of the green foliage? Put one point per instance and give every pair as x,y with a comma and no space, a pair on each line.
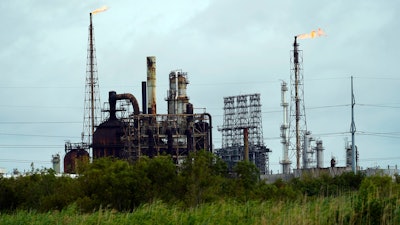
247,179
106,183
202,176
326,185
322,210
378,200
156,191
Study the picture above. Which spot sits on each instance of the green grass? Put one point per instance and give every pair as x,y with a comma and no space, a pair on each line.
328,210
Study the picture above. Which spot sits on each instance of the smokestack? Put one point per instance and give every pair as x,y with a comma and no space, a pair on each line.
112,101
246,143
151,85
144,98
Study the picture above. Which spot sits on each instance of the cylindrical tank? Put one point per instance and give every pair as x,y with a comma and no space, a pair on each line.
182,97
172,93
320,155
56,162
107,139
75,159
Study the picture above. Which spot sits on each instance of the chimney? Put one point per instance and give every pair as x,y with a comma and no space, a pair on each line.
151,85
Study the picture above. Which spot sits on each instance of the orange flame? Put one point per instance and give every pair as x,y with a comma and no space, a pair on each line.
312,34
99,10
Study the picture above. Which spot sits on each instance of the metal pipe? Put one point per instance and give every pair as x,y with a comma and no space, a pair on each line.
144,98
151,85
112,100
210,132
132,99
246,143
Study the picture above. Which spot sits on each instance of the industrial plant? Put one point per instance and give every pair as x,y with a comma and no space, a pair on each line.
242,136
130,130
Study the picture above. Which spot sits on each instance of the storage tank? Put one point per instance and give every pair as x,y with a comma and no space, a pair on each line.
107,139
75,159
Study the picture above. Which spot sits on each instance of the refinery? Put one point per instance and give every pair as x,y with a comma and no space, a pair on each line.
129,127
130,130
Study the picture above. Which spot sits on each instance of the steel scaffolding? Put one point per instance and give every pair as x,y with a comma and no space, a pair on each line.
242,114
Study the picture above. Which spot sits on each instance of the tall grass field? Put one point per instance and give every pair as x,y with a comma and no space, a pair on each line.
322,210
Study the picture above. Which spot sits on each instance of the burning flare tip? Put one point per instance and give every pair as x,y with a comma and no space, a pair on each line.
99,10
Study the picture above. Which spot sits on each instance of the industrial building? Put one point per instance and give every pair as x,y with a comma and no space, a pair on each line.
242,136
129,131
130,134
175,133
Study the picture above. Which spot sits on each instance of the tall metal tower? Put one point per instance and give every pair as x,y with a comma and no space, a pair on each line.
285,162
297,121
242,129
92,95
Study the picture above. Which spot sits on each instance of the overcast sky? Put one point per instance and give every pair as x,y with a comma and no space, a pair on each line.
228,48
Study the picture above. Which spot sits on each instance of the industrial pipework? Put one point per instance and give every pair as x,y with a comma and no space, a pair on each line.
113,97
177,98
308,152
285,162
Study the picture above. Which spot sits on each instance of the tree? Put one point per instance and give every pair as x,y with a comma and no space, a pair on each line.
248,176
203,175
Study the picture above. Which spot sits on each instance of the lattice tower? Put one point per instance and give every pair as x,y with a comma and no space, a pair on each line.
92,95
297,118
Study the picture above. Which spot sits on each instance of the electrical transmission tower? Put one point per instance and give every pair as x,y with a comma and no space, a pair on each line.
297,118
92,95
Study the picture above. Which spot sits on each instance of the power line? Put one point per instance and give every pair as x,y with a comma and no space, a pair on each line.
39,122
31,146
380,134
24,161
38,135
380,105
378,78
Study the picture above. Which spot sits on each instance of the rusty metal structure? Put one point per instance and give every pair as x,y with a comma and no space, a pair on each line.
91,108
75,157
242,136
92,94
130,136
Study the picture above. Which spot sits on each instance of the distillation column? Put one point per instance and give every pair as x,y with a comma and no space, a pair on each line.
151,85
285,162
